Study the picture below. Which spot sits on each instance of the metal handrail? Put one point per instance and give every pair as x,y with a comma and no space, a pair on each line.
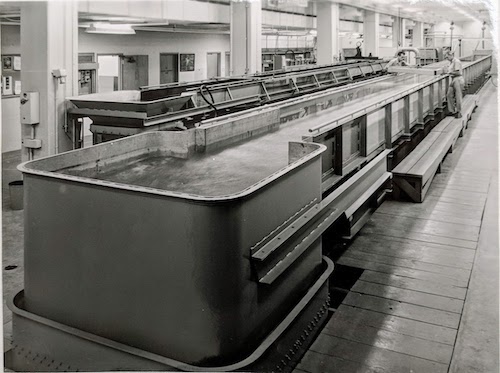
374,107
378,105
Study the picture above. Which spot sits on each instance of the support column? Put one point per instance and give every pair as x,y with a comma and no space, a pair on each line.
328,32
371,33
418,35
49,41
246,37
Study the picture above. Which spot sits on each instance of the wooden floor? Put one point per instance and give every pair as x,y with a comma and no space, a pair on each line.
404,312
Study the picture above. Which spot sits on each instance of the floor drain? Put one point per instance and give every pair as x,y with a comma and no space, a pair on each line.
9,268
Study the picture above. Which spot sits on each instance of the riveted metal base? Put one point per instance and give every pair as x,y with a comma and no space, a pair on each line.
40,344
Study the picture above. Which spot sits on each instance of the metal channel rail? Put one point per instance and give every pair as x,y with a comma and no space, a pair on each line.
154,92
115,118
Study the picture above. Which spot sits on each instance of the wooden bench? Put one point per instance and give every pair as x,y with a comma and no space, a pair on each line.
469,104
414,174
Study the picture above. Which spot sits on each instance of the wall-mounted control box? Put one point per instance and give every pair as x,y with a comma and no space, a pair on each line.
32,143
7,87
30,108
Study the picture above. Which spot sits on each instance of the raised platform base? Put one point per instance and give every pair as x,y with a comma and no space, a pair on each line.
40,344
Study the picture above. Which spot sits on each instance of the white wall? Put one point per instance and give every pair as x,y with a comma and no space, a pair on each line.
108,65
11,118
348,37
290,20
11,124
472,34
154,43
184,10
443,30
143,43
11,39
350,41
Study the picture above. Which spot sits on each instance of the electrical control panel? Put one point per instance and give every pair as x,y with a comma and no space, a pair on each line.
86,81
7,88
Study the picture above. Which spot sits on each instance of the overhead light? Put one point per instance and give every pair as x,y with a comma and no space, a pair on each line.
108,28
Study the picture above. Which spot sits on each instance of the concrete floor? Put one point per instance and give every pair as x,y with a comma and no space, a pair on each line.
477,346
12,241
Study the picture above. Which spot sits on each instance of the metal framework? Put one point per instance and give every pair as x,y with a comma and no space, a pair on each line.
183,106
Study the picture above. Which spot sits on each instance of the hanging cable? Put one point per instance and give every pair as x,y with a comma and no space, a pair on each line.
211,104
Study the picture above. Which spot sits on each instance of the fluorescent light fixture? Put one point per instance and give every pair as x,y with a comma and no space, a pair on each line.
108,28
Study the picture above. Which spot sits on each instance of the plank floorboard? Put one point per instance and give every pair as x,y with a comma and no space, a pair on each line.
485,179
453,195
421,254
406,272
474,194
438,216
405,344
474,171
409,296
393,324
458,195
464,178
423,237
458,202
430,287
315,362
431,207
402,243
455,184
474,212
376,357
458,273
451,230
402,309
434,203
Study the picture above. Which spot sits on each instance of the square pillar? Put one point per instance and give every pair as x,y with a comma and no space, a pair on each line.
49,41
418,35
328,32
371,33
246,37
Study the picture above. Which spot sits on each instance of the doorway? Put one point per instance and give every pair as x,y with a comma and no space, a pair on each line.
228,64
213,65
108,73
169,68
134,72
